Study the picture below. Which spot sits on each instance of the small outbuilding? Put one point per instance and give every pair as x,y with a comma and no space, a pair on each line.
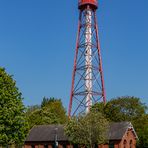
120,135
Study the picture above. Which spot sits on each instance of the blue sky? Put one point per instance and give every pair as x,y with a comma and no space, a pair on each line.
37,42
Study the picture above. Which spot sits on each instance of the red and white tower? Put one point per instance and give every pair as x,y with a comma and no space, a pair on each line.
87,80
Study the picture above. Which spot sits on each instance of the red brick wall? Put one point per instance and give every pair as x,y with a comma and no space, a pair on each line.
27,146
129,136
42,145
103,146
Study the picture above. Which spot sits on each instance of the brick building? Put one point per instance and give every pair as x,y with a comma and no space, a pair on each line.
120,135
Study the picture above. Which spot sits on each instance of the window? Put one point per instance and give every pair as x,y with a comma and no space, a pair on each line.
111,145
75,146
64,145
131,143
45,146
125,143
32,146
53,145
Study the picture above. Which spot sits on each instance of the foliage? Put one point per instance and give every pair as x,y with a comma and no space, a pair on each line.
87,130
141,126
47,101
50,112
13,125
128,109
30,109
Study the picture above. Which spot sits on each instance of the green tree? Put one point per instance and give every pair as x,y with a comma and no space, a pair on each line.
50,112
125,108
87,130
47,101
13,125
34,117
128,109
141,127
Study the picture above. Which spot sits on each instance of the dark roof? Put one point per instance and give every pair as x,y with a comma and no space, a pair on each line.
45,133
117,130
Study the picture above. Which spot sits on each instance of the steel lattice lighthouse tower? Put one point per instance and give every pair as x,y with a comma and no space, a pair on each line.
87,80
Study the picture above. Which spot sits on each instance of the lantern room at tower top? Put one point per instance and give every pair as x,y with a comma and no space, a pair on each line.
83,3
